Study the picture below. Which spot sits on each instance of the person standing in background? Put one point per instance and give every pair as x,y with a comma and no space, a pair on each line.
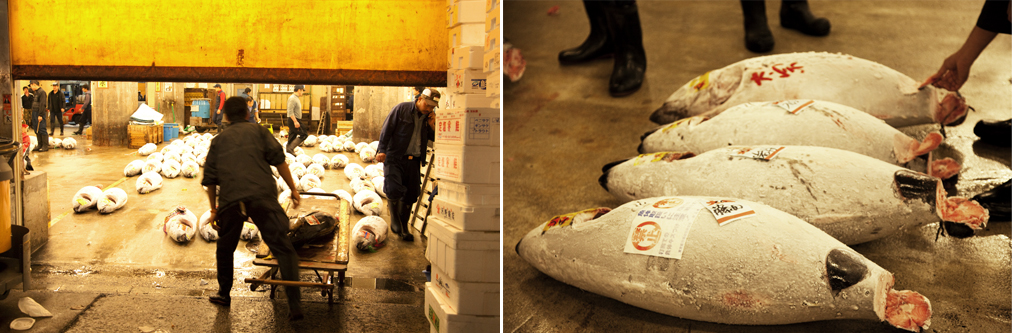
86,109
26,107
39,105
254,107
296,130
57,105
218,116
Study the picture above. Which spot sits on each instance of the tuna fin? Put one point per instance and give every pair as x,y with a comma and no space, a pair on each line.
916,185
844,269
906,148
644,137
951,110
944,168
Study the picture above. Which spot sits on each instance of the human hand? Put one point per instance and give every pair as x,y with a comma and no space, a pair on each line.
432,119
381,157
297,125
213,220
295,199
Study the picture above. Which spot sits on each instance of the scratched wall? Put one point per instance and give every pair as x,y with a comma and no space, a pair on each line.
370,35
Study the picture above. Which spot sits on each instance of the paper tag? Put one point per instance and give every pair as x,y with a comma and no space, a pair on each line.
663,156
660,229
727,211
700,83
82,202
794,106
567,219
312,220
759,153
675,124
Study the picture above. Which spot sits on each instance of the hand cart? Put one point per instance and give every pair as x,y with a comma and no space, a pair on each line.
330,256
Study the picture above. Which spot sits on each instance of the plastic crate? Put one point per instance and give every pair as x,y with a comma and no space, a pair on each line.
471,127
200,108
466,298
442,318
465,256
467,218
467,164
469,194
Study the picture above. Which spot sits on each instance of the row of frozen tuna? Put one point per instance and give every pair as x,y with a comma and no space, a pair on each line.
766,171
65,143
92,197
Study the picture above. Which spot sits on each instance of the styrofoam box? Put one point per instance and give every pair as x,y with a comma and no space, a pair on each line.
471,127
465,57
466,81
442,318
467,218
467,164
492,21
466,101
490,62
469,194
468,34
465,256
494,83
491,4
465,12
467,298
492,40
495,103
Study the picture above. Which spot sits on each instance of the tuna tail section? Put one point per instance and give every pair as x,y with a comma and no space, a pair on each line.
644,137
844,269
915,185
603,180
997,201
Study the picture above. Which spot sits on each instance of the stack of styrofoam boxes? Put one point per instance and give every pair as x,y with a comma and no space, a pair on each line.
463,230
491,60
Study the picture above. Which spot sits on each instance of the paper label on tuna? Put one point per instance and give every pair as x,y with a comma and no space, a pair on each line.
727,211
759,153
701,82
660,229
312,220
657,157
675,124
794,106
566,219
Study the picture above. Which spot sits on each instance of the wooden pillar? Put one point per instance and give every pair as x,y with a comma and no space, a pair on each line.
110,112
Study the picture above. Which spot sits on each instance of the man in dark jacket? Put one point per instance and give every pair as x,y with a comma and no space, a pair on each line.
26,107
85,117
406,130
57,105
39,112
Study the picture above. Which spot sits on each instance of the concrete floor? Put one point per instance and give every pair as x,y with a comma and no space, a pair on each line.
561,127
97,269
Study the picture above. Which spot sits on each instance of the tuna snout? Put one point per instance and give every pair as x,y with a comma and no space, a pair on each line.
668,113
603,180
644,137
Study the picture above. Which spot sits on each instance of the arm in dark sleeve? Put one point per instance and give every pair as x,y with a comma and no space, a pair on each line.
994,17
387,133
62,103
273,153
210,168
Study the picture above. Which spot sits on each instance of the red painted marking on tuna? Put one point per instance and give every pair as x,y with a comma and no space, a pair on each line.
646,235
741,299
789,69
759,77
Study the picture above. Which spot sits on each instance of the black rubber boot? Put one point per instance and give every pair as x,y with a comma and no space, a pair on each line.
405,217
630,58
758,37
998,133
293,144
796,15
394,206
597,44
998,201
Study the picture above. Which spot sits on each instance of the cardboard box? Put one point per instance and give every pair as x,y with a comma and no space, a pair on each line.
144,134
471,127
465,81
465,256
467,218
467,164
343,127
492,21
468,34
465,12
491,61
466,101
491,5
442,318
468,194
494,82
466,298
492,41
466,57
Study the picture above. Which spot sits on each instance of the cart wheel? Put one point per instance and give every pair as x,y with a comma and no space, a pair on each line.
323,292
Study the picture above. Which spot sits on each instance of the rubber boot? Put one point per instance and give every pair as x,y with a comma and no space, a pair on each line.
597,44
998,201
796,15
293,144
405,217
294,303
630,58
998,133
394,206
758,37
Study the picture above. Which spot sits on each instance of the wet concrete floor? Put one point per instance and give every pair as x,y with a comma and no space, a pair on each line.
561,127
119,272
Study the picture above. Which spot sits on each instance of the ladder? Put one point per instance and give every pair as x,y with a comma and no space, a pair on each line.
424,196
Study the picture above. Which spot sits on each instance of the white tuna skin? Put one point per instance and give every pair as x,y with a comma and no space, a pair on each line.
764,270
848,195
822,124
862,84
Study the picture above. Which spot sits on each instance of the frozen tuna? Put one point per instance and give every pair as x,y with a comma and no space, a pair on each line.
205,229
353,171
249,231
152,166
134,168
852,197
304,159
180,225
308,182
377,183
719,260
157,157
321,159
868,86
171,168
112,200
359,185
369,233
147,149
311,227
349,146
316,170
86,198
338,161
368,202
149,182
344,195
69,143
374,170
367,154
289,158
55,143
190,169
310,141
297,169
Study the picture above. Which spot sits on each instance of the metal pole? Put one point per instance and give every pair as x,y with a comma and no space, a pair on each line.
7,88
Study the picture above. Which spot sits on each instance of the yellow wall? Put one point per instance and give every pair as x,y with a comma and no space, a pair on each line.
383,35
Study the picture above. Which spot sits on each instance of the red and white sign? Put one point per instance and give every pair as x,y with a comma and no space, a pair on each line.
661,229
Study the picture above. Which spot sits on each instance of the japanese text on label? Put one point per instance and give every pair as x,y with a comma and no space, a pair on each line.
794,106
727,211
661,229
759,153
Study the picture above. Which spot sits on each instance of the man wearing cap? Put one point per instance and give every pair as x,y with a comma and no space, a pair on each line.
39,106
296,129
85,117
57,105
218,116
402,142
